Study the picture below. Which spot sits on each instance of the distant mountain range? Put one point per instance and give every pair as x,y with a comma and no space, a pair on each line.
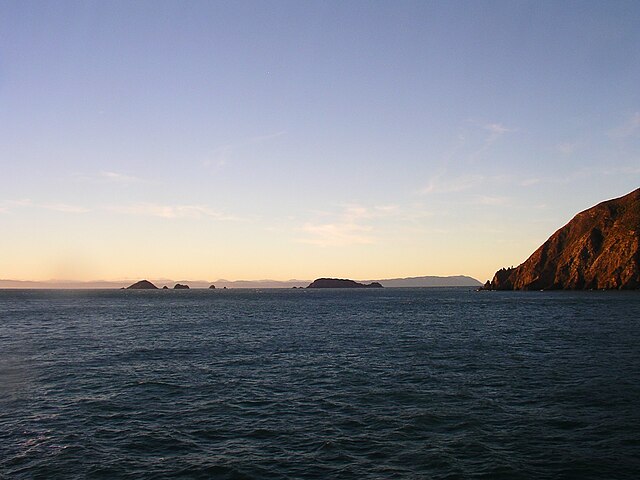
426,281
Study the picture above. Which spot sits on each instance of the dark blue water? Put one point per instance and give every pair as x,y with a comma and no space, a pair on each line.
393,383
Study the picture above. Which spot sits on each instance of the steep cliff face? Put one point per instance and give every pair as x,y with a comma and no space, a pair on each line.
599,248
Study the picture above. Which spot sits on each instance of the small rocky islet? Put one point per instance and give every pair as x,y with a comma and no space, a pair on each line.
147,285
318,283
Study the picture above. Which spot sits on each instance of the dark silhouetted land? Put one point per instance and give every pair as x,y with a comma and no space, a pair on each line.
341,283
142,285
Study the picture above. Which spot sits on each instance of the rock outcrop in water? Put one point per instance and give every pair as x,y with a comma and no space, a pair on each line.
341,283
598,249
142,285
180,286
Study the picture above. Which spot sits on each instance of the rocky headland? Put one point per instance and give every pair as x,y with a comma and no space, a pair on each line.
598,249
142,285
341,283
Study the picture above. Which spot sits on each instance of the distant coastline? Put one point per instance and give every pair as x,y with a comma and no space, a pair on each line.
424,281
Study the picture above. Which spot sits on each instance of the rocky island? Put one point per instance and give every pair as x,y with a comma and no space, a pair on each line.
142,285
180,286
341,283
598,249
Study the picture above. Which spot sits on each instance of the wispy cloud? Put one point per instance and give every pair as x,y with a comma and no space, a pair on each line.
622,171
171,211
354,212
528,182
495,132
492,200
629,128
336,234
10,205
219,157
568,148
224,154
64,208
268,136
497,129
23,202
474,142
120,178
441,184
105,176
492,133
350,226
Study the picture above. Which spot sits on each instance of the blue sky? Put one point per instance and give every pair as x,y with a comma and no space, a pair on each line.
234,140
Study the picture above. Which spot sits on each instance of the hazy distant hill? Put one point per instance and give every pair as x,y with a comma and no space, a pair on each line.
428,281
64,284
261,283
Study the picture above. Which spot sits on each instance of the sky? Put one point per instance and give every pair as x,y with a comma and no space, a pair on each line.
276,139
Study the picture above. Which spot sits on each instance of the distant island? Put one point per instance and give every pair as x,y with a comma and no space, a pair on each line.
598,249
142,285
341,283
180,286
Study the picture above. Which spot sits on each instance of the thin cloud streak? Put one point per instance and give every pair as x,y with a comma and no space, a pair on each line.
439,184
349,228
112,177
528,182
8,206
458,156
171,211
269,136
568,148
629,128
622,171
219,157
64,208
495,132
336,234
497,129
492,200
120,178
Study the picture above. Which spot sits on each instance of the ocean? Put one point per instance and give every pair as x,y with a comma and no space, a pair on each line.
440,383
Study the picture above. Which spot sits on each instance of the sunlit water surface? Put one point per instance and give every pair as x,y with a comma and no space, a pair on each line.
392,383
